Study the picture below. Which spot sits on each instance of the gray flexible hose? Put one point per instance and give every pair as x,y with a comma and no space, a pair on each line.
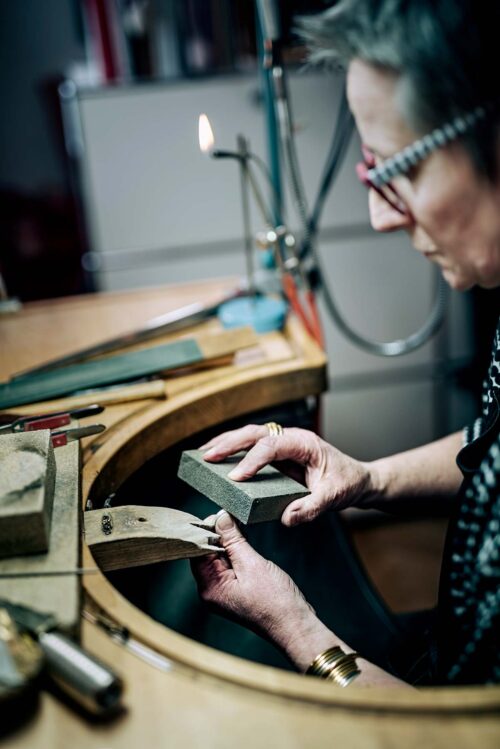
389,348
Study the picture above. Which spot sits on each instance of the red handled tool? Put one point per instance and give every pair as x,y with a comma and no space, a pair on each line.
290,267
50,420
59,439
310,317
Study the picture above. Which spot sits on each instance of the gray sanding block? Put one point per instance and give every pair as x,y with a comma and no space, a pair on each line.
35,579
27,477
263,497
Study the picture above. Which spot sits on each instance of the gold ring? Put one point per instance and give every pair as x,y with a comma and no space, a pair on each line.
274,429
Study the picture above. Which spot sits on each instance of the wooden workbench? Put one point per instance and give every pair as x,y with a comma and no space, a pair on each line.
180,693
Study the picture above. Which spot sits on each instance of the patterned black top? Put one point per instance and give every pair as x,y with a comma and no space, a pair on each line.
469,607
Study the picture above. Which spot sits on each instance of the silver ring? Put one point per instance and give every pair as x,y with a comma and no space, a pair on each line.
274,429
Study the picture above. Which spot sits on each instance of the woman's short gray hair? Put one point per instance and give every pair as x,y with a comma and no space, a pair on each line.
446,52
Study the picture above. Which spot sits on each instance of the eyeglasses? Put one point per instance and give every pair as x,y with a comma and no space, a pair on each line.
387,191
378,176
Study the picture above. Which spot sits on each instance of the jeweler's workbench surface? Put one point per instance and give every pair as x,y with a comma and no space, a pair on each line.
180,693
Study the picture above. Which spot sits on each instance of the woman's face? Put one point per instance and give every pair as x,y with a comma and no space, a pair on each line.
453,215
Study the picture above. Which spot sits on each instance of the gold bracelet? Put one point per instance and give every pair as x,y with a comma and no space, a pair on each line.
345,670
335,665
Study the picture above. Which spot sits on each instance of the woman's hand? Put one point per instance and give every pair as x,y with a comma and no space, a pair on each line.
244,586
335,480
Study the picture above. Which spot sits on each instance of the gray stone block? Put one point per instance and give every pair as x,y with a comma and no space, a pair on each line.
30,580
263,497
27,477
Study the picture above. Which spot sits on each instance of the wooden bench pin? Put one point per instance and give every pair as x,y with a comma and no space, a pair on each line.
134,535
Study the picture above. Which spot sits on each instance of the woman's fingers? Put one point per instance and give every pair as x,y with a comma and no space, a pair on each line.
232,442
292,469
240,554
223,580
261,454
300,511
305,509
212,572
293,444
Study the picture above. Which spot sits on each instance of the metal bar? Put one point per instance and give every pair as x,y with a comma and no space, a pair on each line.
245,206
178,319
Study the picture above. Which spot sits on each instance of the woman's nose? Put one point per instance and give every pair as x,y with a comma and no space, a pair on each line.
383,217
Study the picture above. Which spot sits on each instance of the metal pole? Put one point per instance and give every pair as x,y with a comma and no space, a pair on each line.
242,145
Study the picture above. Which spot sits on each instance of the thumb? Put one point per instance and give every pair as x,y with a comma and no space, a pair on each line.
234,543
305,509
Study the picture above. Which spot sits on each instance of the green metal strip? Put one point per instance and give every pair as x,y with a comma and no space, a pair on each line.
115,369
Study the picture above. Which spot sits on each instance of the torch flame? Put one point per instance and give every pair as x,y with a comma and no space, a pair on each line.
205,134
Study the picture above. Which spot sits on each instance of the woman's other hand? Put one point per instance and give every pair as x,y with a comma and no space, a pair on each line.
335,480
244,586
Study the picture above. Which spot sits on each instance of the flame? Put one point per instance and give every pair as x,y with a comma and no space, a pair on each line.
205,134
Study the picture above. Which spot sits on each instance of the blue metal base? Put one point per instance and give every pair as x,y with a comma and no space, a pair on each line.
263,313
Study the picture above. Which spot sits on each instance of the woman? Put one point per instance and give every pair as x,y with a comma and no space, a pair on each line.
420,88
